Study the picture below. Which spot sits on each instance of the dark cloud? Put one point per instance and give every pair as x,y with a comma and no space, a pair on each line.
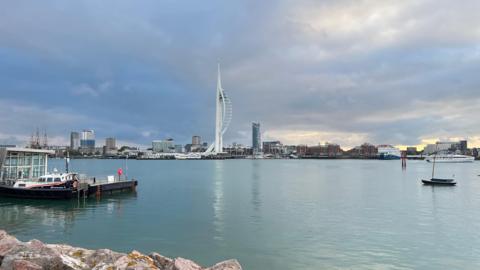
342,71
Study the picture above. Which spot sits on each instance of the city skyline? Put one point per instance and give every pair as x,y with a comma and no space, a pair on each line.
340,72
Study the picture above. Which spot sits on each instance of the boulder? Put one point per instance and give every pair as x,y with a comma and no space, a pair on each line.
133,261
162,262
184,264
226,265
25,265
35,255
7,243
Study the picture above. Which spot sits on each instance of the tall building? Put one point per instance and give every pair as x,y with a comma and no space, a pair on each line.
223,116
196,140
163,146
256,138
87,139
110,144
74,140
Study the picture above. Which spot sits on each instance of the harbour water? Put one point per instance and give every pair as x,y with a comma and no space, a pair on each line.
271,214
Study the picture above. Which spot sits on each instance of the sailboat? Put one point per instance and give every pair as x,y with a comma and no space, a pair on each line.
438,181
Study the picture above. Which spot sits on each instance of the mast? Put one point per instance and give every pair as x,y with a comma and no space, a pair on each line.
434,158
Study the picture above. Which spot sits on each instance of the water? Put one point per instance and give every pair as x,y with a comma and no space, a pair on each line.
272,214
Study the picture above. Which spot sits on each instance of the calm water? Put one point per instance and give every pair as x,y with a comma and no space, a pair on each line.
272,214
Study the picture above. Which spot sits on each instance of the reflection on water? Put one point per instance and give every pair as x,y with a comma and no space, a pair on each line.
272,214
23,215
218,203
256,196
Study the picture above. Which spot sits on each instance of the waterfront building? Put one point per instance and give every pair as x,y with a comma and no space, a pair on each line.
74,140
412,150
87,140
163,146
326,150
440,147
110,144
256,138
178,148
22,163
272,147
365,150
196,140
223,117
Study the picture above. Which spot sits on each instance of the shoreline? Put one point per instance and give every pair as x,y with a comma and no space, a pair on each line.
36,255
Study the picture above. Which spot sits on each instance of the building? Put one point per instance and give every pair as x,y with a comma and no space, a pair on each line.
412,150
74,140
439,147
178,148
223,116
273,148
196,140
163,146
322,151
365,150
22,163
256,138
87,140
110,144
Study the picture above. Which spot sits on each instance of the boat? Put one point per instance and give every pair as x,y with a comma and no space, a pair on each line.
388,152
450,158
438,181
29,177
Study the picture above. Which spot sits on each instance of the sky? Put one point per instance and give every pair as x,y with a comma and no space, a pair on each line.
346,72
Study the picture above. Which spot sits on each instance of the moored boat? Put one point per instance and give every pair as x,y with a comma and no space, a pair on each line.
439,181
450,158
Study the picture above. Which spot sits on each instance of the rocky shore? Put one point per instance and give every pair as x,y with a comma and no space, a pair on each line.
35,255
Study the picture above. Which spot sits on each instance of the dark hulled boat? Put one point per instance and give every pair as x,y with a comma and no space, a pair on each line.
440,182
37,193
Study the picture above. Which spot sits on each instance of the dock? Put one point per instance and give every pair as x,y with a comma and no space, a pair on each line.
99,188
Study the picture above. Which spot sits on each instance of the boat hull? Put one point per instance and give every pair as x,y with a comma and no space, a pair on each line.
439,182
55,194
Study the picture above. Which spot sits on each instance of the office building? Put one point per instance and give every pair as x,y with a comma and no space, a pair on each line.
87,140
196,140
256,138
163,146
74,140
110,144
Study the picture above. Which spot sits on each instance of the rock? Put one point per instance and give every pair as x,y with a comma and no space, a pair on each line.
184,264
104,256
7,243
133,261
35,255
162,262
34,252
226,265
25,265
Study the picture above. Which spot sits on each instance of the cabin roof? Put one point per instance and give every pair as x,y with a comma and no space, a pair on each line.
29,150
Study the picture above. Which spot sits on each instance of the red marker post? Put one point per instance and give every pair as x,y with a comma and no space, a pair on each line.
119,172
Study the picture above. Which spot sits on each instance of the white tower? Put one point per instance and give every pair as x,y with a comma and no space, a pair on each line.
223,116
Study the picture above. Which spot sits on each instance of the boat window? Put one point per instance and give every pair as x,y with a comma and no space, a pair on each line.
41,180
58,180
50,179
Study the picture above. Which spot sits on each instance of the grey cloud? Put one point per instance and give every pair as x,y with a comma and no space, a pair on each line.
292,65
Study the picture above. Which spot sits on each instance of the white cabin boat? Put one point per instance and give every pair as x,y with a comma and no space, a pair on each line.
450,158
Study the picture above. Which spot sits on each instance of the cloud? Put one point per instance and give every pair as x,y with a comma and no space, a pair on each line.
345,71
